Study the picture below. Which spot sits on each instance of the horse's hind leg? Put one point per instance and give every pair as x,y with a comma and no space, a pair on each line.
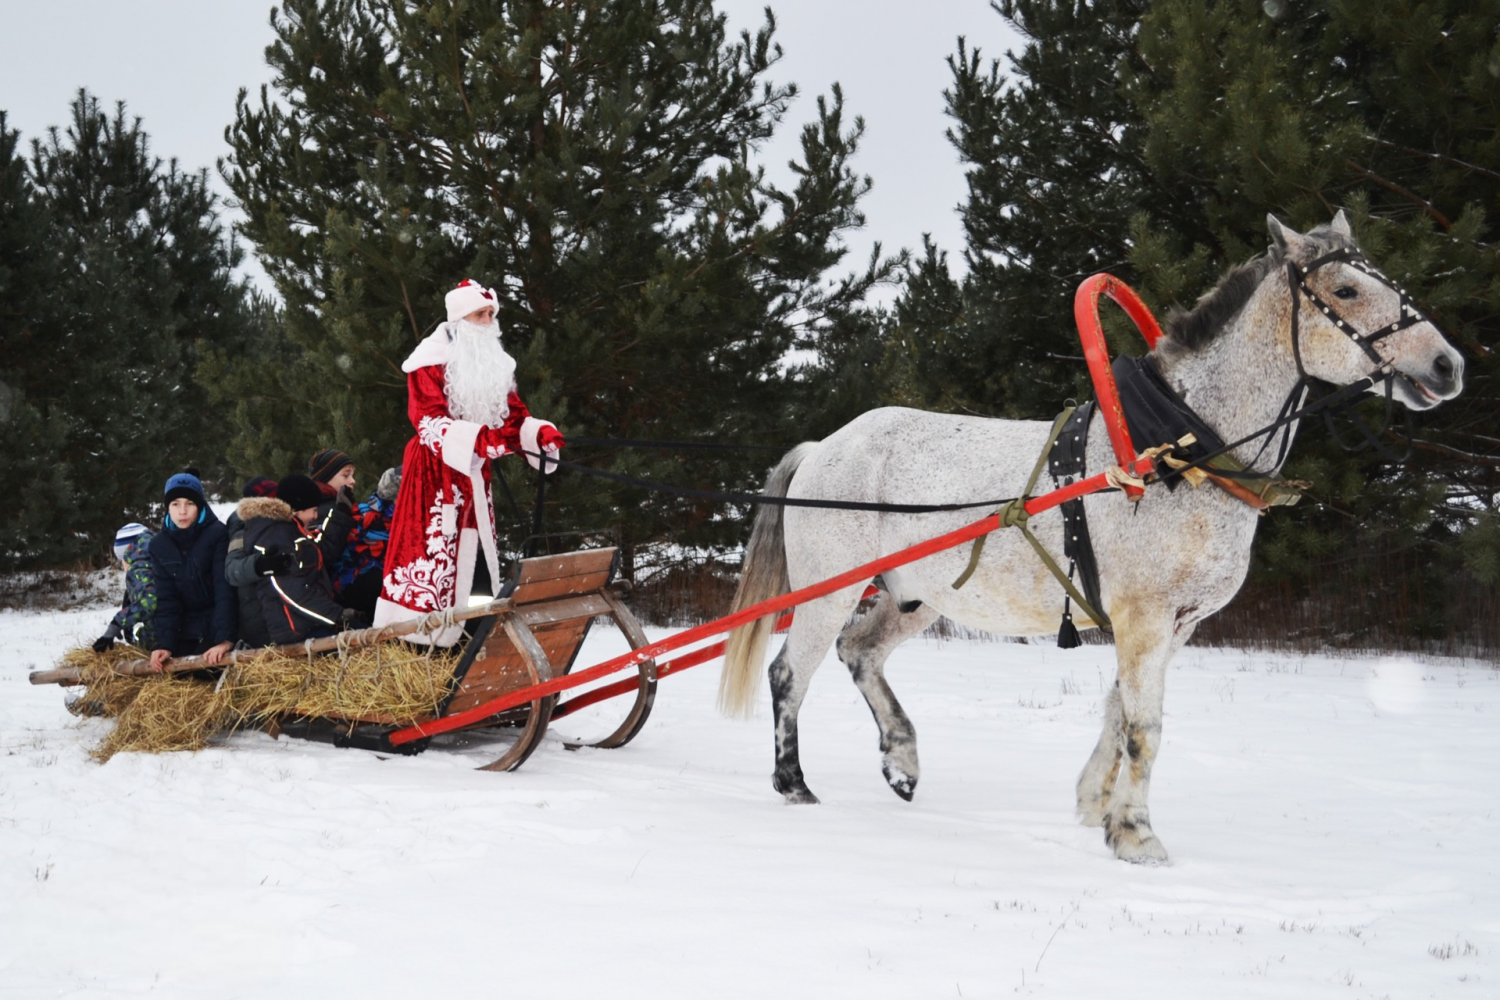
864,647
813,630
1114,788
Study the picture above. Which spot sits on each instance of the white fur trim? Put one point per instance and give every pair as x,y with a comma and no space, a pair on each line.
468,297
458,446
458,454
388,611
530,428
434,350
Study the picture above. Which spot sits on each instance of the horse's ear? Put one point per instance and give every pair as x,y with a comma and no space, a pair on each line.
1287,240
1341,226
1278,232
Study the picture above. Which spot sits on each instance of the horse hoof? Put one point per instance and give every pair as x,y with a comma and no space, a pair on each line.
1134,842
793,788
901,783
1149,852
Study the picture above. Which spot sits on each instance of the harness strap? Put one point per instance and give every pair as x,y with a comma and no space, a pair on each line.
1013,515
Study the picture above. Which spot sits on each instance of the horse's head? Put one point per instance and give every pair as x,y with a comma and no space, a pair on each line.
1350,321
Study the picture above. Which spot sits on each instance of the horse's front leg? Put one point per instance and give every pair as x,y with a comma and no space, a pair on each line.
1114,788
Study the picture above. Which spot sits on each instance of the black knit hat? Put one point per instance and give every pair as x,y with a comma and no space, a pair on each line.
260,486
327,463
185,486
299,492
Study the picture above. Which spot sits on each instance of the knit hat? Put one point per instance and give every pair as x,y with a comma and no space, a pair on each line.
127,535
185,485
467,297
299,492
326,464
260,486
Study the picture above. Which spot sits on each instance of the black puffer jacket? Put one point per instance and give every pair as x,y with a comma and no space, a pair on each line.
195,607
297,604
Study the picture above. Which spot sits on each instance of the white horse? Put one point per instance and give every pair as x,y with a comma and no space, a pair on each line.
1164,564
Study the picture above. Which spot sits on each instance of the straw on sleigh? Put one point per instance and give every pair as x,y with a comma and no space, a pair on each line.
164,712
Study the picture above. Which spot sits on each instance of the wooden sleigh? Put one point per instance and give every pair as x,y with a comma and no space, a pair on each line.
529,634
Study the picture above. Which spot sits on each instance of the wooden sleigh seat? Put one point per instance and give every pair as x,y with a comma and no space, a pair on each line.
538,623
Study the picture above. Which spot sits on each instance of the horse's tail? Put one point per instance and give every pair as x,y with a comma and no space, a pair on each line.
763,575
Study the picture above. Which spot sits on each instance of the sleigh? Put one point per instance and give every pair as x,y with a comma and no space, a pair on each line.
531,633
524,639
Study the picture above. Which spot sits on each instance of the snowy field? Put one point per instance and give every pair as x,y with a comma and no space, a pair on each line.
1332,824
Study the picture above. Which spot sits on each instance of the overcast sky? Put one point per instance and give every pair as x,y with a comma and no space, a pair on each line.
179,63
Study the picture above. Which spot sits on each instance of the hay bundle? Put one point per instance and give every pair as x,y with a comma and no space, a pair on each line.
169,713
389,681
108,693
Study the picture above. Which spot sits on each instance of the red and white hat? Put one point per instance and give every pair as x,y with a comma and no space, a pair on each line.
467,297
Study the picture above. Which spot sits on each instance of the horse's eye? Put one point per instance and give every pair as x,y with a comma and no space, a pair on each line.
1346,292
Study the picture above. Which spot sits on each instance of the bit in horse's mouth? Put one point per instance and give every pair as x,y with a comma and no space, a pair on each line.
1422,390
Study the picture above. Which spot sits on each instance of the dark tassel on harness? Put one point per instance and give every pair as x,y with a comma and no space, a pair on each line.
1067,632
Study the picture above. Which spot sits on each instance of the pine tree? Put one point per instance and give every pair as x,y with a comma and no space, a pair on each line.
113,273
594,161
1055,174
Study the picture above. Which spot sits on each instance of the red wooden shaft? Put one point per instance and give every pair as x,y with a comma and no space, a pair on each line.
666,669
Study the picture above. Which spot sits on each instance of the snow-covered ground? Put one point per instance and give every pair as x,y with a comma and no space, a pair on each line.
1332,821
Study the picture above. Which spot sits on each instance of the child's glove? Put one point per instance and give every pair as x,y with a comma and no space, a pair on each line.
345,501
272,561
102,644
390,484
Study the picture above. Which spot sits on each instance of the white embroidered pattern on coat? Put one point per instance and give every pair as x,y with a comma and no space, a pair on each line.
429,584
431,431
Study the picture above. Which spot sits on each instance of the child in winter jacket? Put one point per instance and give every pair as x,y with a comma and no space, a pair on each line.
133,622
196,610
243,570
296,598
358,573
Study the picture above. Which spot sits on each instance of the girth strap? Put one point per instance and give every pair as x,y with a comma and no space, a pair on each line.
1069,463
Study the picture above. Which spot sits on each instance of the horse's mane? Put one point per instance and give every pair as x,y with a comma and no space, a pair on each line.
1191,329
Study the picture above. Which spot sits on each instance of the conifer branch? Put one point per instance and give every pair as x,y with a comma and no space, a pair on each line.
1395,188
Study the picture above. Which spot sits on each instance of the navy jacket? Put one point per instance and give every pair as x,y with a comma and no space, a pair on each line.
195,606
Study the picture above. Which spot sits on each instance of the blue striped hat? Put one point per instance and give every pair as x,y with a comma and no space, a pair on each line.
127,535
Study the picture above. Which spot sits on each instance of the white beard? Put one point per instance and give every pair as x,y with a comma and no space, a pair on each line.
480,375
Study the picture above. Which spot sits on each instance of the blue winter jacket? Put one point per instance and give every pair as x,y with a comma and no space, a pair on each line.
195,606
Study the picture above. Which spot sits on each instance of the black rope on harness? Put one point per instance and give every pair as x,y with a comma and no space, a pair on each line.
534,542
672,445
759,498
510,497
